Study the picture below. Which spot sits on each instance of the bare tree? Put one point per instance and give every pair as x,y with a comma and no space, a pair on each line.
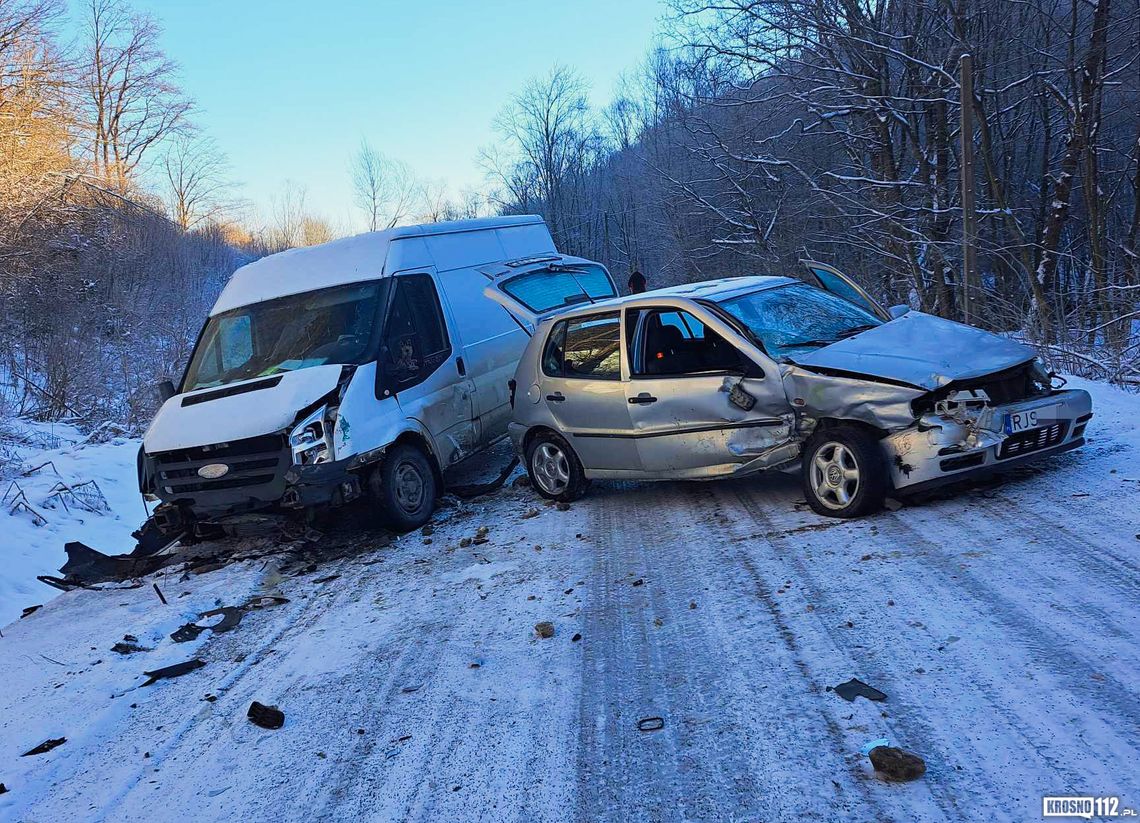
384,188
199,188
549,126
288,214
132,101
435,202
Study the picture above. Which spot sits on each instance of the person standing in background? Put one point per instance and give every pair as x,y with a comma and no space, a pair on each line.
636,282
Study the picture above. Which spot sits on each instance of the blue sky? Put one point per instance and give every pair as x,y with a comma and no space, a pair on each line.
289,88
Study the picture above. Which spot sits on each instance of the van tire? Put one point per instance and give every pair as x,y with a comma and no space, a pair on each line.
404,488
844,474
555,471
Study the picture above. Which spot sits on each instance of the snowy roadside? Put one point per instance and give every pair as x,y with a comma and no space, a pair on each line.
1002,623
63,490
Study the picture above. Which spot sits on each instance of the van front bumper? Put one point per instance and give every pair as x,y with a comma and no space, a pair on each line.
932,453
209,483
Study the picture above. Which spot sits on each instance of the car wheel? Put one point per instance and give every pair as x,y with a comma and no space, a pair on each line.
554,468
404,487
843,473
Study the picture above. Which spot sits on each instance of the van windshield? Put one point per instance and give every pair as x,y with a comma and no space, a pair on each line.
337,325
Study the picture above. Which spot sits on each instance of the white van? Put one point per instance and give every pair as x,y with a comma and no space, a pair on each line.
363,366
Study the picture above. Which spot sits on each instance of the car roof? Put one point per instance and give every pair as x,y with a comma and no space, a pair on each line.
723,289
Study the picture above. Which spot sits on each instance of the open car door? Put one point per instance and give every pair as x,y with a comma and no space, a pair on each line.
533,290
833,280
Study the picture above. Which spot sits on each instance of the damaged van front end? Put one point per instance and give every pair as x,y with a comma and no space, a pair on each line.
260,460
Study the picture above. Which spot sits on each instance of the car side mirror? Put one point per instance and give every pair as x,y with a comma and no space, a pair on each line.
165,390
897,311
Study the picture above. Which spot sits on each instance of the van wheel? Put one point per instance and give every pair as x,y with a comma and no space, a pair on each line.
404,487
843,473
555,471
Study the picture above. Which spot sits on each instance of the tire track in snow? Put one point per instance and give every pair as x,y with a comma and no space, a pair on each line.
744,667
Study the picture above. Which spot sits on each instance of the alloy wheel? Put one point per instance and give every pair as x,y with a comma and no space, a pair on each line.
834,475
551,468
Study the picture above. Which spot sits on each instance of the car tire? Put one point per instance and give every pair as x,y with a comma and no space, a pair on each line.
404,488
555,471
844,474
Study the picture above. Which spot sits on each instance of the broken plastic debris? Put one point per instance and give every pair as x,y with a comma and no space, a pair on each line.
128,647
267,717
46,746
177,670
186,633
231,617
874,744
30,610
897,764
854,688
650,724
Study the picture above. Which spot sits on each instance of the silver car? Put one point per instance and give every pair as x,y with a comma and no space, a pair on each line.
730,377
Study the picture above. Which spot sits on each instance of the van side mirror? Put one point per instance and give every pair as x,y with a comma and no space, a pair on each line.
897,311
165,390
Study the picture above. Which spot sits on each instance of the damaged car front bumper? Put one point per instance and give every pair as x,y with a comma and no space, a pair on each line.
955,442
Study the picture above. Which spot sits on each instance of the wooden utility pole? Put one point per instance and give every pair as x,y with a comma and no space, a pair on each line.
969,211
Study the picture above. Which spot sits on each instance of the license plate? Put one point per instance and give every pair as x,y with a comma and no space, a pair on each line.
1021,421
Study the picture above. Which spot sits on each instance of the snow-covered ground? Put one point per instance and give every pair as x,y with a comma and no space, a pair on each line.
1003,624
71,491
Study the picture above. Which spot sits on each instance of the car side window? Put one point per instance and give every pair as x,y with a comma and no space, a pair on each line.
415,334
676,343
552,356
590,347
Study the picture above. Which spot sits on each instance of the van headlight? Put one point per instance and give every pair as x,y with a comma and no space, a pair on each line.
311,439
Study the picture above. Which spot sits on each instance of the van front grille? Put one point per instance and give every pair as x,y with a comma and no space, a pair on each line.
251,462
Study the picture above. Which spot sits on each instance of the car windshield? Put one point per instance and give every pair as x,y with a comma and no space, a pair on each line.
336,325
798,318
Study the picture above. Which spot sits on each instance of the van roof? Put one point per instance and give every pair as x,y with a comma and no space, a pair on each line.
353,259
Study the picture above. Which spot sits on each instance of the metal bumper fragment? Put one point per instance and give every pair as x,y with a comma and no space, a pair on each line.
943,449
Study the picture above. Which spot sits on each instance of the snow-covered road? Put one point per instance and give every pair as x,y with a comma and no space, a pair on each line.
1003,625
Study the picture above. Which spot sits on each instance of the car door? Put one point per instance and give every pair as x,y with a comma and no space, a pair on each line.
418,365
833,280
581,383
533,291
699,405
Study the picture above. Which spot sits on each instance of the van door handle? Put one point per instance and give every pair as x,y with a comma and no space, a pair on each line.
642,399
556,397
460,367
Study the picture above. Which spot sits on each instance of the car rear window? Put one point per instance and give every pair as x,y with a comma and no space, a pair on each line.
541,291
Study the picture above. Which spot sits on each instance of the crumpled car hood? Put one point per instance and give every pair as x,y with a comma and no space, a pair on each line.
920,350
241,415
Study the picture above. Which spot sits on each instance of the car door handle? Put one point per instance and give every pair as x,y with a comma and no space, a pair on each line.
556,397
460,367
642,399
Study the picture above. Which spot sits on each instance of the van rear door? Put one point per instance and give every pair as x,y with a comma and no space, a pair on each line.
532,291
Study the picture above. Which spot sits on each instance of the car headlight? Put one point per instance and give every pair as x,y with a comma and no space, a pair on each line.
311,439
